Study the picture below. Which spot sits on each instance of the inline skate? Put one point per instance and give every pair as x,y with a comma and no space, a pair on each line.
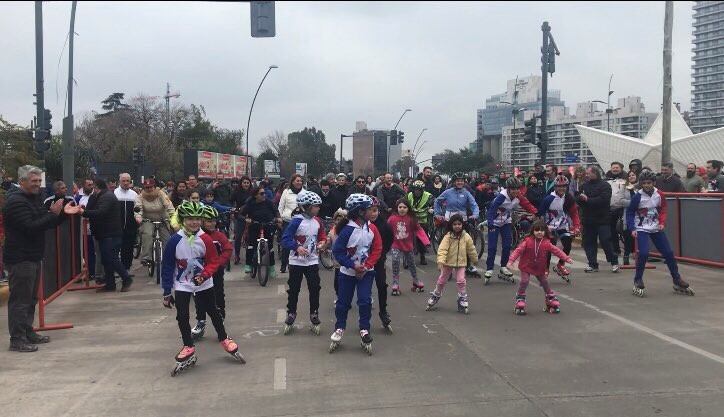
639,289
432,301
562,272
198,331
314,319
520,305
366,341
418,286
186,358
395,288
463,306
336,340
232,349
385,318
289,323
505,275
553,306
682,287
472,271
488,275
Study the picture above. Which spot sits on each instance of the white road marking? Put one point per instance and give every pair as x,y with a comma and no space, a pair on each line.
280,374
281,315
281,289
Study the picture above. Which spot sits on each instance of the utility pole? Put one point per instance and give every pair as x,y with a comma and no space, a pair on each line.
68,123
39,91
549,50
341,148
666,127
168,98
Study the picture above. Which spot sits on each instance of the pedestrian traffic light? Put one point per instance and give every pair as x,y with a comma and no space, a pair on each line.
46,123
529,135
400,137
393,137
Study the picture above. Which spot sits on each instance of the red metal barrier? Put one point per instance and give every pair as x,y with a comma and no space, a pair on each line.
75,275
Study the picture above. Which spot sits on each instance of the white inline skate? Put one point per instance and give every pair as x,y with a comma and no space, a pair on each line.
639,290
336,339
463,304
488,275
682,287
366,341
289,323
506,275
198,331
432,301
315,327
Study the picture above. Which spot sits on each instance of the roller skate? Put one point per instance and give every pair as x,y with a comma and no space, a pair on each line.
639,290
314,319
562,272
395,288
417,286
488,275
186,358
472,271
289,323
682,287
520,305
553,306
463,303
366,341
232,349
198,331
385,318
505,275
432,301
336,340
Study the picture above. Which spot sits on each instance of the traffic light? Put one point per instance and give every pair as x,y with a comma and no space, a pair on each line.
137,155
400,137
48,117
393,137
262,19
41,142
529,135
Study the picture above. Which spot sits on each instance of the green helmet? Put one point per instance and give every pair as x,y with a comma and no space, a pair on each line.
190,209
209,213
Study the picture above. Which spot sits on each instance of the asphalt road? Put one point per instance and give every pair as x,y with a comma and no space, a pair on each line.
607,354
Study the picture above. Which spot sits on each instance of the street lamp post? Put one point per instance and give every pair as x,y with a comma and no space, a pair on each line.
388,138
516,110
418,139
341,144
248,120
608,105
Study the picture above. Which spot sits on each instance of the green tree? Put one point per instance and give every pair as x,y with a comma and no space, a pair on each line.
309,145
16,148
464,160
266,155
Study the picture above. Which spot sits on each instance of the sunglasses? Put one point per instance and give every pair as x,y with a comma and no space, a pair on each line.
360,182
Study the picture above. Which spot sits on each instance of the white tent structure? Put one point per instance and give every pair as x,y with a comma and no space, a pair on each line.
686,147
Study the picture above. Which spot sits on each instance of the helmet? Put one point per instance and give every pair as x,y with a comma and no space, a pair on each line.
457,176
308,198
513,183
190,209
358,202
561,180
494,181
418,185
647,175
209,213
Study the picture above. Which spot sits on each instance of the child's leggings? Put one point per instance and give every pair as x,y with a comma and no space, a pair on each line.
525,279
396,255
458,272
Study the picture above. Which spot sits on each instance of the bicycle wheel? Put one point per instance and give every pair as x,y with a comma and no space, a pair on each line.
263,265
326,259
137,246
157,253
482,236
437,236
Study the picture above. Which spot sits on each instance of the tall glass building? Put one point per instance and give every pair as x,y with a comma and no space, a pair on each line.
707,104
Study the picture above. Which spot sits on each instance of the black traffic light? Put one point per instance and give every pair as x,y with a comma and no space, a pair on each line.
400,137
529,135
41,142
46,123
393,137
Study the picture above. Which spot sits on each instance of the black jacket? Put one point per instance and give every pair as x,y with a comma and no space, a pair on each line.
672,184
263,212
340,195
222,194
239,197
126,201
535,194
390,195
387,237
104,213
329,205
596,208
26,221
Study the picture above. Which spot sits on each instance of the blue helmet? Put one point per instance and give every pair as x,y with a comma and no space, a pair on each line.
358,202
308,198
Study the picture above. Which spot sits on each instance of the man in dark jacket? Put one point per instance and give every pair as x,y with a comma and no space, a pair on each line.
668,181
340,192
25,224
389,192
328,206
59,193
104,213
595,201
222,191
127,199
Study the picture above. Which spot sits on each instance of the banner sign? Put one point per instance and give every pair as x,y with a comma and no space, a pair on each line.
207,167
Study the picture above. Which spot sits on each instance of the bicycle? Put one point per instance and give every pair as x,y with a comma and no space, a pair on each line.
518,233
154,264
325,256
261,261
137,246
224,226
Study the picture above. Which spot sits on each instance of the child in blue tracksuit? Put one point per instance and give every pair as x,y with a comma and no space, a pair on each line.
302,238
646,218
357,249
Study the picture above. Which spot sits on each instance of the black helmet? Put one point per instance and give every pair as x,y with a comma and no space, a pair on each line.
647,175
513,183
457,176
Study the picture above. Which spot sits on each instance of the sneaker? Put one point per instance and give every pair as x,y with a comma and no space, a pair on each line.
589,269
37,339
22,346
615,268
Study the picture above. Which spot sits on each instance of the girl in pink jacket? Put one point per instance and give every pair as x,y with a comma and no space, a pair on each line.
533,253
404,230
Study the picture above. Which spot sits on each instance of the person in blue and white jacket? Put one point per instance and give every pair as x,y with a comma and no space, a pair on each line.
646,218
189,262
302,239
500,217
458,200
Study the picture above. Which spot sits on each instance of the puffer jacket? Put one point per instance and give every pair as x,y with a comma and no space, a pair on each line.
456,251
619,193
25,222
153,205
287,204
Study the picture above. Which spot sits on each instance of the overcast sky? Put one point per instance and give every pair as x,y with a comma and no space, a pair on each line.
342,62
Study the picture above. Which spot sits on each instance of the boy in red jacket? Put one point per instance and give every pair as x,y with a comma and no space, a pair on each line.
533,254
224,250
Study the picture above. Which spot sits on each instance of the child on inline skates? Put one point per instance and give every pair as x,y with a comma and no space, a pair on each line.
189,262
646,217
224,249
357,249
373,215
560,213
455,252
302,239
533,253
404,229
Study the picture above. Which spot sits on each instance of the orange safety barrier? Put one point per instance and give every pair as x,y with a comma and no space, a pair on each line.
70,232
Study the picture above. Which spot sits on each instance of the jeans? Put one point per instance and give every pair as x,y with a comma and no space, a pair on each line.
347,286
110,249
238,234
296,274
91,261
127,244
507,237
206,300
662,244
602,233
219,297
23,278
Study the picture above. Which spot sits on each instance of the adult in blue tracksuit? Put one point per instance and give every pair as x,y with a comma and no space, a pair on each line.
458,200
